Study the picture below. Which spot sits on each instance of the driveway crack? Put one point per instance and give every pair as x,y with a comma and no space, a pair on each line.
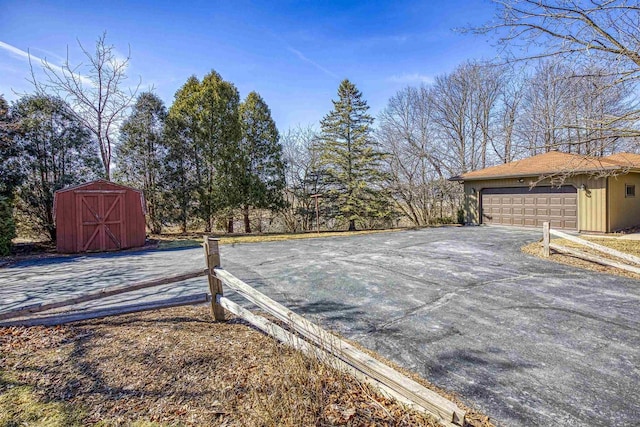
440,301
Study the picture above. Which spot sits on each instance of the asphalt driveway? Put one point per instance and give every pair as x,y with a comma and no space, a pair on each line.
527,341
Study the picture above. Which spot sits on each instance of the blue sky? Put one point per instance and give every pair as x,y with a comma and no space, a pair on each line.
294,53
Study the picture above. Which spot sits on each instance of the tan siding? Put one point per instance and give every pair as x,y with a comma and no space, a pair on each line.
592,212
624,211
592,203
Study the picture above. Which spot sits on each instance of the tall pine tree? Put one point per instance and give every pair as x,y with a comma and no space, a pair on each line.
141,154
258,178
352,161
203,128
179,169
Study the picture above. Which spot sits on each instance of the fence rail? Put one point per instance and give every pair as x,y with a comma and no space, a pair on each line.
547,232
76,316
329,346
104,293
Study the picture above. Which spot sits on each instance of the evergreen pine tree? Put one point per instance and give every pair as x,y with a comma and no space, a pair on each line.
258,178
179,167
351,160
203,131
141,154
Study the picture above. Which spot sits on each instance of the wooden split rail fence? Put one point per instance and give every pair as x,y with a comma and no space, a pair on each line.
631,263
291,329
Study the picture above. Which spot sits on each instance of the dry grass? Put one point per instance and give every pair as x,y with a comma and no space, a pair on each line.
628,246
177,367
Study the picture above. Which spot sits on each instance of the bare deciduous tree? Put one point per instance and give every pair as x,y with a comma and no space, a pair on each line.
505,143
405,132
565,108
465,108
94,89
302,175
583,34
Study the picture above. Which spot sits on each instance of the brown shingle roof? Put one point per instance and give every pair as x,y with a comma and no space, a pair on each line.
553,163
630,160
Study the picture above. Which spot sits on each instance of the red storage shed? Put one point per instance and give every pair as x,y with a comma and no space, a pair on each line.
99,216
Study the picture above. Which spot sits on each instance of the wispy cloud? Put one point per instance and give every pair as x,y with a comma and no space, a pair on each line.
26,56
301,56
46,54
14,51
409,78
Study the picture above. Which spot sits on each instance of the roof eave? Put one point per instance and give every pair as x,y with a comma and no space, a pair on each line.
542,174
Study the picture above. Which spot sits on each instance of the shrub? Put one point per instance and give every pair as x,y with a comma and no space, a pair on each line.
441,220
7,225
461,220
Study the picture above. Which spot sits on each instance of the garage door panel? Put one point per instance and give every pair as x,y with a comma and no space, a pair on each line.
530,207
542,201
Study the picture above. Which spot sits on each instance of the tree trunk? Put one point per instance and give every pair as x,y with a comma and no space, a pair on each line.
247,224
352,225
230,225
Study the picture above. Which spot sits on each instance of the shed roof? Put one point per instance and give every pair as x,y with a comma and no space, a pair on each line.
99,182
553,163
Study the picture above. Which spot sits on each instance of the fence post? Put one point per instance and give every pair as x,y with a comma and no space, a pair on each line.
545,239
212,254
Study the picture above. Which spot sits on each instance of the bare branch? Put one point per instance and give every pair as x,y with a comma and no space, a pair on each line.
94,91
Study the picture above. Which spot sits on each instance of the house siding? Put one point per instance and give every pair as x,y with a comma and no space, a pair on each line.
592,202
624,211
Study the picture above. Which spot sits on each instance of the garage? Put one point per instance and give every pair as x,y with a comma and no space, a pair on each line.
571,191
530,207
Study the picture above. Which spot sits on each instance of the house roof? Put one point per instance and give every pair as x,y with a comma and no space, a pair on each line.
630,160
554,163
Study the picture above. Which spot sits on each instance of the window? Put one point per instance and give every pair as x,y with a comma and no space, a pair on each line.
629,190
